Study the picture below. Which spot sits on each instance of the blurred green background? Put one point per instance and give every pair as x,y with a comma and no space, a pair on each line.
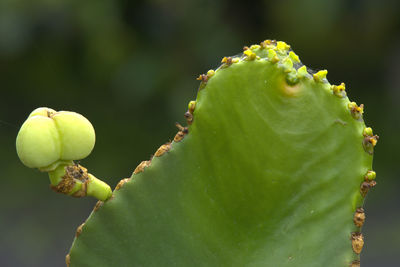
130,68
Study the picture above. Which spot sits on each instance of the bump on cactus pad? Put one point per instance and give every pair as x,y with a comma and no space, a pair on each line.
271,171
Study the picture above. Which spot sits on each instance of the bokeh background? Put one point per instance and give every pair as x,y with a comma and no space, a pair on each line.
130,67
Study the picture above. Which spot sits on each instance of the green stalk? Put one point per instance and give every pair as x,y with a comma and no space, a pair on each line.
73,179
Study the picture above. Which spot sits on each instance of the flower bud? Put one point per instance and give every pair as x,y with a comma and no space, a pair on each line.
76,134
48,136
38,142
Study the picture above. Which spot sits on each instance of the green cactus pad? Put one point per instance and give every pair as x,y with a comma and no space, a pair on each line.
268,173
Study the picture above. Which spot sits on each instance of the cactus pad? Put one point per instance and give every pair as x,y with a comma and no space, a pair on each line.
271,170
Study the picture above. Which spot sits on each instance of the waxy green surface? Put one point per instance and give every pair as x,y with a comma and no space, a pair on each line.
269,175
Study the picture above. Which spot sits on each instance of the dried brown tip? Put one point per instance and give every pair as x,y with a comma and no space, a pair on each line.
245,48
189,117
142,166
182,132
79,230
359,217
181,128
355,263
162,149
122,183
98,205
67,260
179,136
226,61
366,186
356,111
369,143
357,242
203,78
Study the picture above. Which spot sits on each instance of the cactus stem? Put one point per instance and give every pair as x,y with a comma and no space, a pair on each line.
357,242
74,180
97,188
287,61
68,179
359,217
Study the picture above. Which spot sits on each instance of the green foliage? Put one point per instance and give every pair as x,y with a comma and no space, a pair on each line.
267,173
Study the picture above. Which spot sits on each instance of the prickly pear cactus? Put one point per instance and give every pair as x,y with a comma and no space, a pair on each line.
271,170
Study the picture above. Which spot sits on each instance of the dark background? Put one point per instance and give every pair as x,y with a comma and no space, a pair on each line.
130,68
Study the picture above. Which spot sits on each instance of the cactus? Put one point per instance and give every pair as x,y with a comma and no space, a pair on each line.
271,170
